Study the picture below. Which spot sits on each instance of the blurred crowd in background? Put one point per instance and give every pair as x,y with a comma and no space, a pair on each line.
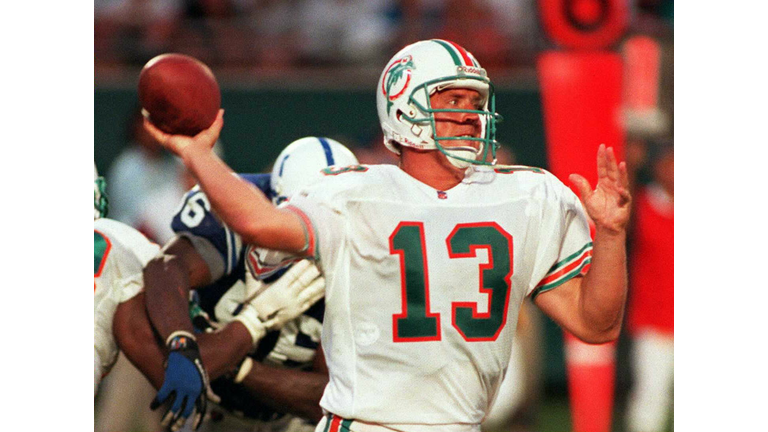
294,34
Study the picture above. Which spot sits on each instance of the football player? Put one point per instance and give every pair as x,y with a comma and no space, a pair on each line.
427,263
121,321
119,254
282,379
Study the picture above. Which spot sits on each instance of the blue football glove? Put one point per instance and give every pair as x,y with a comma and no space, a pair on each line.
185,385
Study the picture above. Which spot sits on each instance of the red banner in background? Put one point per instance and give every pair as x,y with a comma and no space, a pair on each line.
581,95
584,24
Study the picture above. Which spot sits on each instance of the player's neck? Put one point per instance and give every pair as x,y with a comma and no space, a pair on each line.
431,168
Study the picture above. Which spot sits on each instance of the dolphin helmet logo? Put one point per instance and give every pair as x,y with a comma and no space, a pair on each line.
396,79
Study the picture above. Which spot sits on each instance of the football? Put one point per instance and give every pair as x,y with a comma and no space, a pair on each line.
179,94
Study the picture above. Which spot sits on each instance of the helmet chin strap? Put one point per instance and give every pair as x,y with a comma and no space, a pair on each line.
453,155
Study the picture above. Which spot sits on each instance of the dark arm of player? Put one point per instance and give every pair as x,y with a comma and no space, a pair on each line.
168,279
221,351
289,390
135,338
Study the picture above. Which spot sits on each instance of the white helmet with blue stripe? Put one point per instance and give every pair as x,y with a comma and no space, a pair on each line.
299,165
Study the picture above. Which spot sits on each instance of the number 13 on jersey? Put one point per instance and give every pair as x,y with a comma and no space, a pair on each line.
416,322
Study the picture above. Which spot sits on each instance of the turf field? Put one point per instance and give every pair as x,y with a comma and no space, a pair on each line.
554,416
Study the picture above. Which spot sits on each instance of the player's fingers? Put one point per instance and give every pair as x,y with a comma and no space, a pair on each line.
314,295
290,277
212,133
582,185
213,397
177,425
166,421
297,269
202,402
313,292
612,167
188,407
156,402
198,420
178,406
601,162
160,398
308,275
624,197
623,175
181,412
201,405
156,133
271,323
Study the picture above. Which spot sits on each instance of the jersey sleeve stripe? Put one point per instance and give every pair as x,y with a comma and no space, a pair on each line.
559,271
327,422
309,231
570,258
565,270
335,423
565,278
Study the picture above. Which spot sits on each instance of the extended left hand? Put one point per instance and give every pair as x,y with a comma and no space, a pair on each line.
609,204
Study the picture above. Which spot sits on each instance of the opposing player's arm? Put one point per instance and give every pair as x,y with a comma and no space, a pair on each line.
168,279
289,390
136,339
221,351
238,203
592,307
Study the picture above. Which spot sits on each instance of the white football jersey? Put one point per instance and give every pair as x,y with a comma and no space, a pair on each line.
119,255
423,287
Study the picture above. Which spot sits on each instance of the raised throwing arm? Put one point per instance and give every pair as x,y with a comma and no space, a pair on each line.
240,205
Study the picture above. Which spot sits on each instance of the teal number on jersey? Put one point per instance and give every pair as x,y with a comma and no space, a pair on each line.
416,322
495,279
101,247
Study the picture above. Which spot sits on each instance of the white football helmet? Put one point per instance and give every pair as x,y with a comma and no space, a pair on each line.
299,165
100,203
402,99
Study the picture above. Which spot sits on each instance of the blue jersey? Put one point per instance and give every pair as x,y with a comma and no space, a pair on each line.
294,346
